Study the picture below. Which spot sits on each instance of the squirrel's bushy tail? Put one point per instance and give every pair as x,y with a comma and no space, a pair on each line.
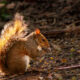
12,30
15,29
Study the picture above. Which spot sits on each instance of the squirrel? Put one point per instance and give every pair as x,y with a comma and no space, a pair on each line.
17,48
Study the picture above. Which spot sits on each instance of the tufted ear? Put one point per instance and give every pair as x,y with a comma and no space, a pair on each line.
37,31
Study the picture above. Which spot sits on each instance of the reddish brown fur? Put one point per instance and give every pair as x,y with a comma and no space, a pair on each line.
12,55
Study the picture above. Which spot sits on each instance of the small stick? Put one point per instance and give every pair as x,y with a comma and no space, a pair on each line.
67,67
68,8
56,33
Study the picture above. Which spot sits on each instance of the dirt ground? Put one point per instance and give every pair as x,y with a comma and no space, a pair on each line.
50,16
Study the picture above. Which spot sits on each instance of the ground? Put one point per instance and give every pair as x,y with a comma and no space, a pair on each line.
51,16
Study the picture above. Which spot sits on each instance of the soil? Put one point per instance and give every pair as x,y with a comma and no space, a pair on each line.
49,16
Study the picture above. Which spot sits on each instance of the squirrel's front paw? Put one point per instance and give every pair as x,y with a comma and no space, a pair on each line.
28,66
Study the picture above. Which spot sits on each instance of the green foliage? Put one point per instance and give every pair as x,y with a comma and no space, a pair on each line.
4,15
4,2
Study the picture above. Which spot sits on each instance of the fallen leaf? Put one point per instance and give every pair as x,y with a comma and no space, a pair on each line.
58,76
72,49
74,78
63,60
51,58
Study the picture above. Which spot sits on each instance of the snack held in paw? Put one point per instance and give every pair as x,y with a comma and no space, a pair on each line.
17,49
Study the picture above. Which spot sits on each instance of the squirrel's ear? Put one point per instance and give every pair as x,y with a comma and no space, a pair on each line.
37,31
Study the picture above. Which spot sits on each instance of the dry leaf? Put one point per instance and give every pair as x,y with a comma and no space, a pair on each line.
74,78
63,60
51,58
58,76
72,49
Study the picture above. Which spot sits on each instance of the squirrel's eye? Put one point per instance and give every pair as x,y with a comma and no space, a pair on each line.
43,40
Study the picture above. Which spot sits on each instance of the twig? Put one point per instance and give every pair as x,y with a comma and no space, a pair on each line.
68,67
59,33
68,8
32,71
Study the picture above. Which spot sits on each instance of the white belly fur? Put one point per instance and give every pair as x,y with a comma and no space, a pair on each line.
27,61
